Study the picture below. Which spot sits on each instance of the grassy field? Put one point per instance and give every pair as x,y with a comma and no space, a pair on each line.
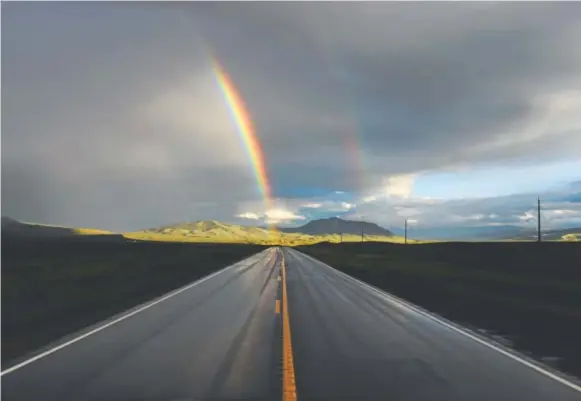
54,286
527,293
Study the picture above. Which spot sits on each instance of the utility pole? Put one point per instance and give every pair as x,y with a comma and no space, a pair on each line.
406,232
538,219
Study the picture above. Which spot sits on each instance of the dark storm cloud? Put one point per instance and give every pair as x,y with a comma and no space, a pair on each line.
425,78
111,118
422,86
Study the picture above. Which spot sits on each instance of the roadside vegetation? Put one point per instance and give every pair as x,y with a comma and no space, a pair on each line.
52,287
527,293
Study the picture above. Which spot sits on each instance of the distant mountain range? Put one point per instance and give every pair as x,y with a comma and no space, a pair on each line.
329,226
332,229
484,233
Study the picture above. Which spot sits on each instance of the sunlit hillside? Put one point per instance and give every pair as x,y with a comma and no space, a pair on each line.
215,231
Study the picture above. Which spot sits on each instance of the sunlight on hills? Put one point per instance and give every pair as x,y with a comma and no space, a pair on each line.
214,231
571,237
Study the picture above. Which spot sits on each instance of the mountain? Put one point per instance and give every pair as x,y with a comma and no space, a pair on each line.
335,225
17,229
211,229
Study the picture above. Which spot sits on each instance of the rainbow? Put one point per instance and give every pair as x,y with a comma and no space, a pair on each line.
245,129
354,148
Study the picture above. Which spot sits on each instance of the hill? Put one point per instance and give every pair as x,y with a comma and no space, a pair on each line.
204,230
18,229
335,225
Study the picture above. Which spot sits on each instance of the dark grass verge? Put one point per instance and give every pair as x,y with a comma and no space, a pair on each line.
54,287
528,293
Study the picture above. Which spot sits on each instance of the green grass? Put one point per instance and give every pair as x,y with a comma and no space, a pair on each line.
52,287
510,288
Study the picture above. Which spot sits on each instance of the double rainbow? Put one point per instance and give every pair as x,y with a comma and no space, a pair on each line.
247,133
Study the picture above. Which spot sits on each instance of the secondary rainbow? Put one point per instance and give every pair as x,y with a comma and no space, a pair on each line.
245,129
354,148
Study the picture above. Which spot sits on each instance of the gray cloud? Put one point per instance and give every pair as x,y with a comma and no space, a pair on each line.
111,117
560,209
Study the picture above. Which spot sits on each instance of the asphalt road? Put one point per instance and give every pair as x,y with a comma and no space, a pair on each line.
221,339
353,342
218,340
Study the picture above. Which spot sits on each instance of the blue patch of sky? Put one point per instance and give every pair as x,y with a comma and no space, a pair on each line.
496,181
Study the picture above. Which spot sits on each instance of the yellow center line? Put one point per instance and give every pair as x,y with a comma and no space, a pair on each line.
277,306
289,390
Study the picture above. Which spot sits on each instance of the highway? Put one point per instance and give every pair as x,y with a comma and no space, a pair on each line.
214,341
278,323
352,342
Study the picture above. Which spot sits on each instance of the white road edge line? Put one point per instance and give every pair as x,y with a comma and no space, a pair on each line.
455,328
121,318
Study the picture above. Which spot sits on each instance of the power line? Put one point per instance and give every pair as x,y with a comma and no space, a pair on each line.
538,219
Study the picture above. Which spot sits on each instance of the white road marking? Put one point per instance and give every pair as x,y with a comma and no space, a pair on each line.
457,329
121,318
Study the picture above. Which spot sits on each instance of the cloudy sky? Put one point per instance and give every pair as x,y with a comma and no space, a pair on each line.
442,113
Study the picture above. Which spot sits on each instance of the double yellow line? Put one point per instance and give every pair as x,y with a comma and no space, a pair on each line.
289,389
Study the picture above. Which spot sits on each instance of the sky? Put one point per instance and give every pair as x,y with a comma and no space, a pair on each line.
443,113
